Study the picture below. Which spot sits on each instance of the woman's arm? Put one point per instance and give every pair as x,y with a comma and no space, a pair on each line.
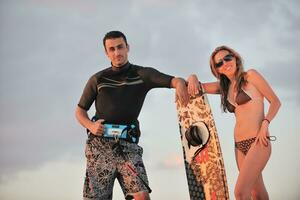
265,89
194,86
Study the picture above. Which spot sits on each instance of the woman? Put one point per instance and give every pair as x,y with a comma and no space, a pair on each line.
243,94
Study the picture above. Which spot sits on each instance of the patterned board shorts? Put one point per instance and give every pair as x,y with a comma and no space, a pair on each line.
105,163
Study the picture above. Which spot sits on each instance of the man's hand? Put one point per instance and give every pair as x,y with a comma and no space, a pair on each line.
181,90
97,128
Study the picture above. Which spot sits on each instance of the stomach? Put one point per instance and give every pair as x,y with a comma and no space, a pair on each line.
248,120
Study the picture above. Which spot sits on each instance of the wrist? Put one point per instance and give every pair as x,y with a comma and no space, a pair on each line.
193,77
266,120
180,82
176,81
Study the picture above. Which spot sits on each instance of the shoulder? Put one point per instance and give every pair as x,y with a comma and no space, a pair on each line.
102,72
96,76
144,70
252,75
138,67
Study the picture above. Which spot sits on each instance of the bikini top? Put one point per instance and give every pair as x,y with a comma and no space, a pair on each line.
242,97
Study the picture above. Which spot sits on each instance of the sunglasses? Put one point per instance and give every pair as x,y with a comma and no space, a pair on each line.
226,58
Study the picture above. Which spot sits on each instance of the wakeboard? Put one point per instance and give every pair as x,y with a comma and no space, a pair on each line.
202,153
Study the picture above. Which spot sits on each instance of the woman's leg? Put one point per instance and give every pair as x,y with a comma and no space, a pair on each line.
259,191
250,171
239,157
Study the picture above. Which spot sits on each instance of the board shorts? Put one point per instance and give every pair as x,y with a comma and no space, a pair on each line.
105,163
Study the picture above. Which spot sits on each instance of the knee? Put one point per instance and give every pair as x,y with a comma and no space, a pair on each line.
142,196
257,195
241,194
145,196
254,195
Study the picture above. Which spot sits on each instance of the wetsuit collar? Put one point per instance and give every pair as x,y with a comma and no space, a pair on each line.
122,68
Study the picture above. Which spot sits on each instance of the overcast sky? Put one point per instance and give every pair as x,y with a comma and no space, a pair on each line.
49,49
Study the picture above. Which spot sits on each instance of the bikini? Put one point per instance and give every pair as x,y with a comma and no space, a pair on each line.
244,145
242,97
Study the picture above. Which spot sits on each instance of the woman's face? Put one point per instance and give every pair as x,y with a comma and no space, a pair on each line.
225,63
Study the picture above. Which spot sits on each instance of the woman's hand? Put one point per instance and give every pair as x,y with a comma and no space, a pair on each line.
194,86
263,134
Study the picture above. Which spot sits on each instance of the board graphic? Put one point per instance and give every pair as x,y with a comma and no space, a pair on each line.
201,150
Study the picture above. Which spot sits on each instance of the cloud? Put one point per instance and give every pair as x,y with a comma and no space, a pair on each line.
50,48
171,161
52,176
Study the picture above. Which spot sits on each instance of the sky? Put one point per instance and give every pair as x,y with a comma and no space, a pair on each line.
49,49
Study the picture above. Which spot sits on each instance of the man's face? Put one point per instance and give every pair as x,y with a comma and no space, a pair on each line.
117,51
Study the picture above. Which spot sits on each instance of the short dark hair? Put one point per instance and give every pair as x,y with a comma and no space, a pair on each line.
113,35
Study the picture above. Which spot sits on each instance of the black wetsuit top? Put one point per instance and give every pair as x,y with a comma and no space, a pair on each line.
119,93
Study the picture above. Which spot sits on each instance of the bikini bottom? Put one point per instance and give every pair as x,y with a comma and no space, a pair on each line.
244,145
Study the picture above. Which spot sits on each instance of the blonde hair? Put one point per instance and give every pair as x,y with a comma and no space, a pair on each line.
224,81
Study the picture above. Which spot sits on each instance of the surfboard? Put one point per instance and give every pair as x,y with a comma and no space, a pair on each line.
202,153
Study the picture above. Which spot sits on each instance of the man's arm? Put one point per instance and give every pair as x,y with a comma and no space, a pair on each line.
181,90
155,79
94,127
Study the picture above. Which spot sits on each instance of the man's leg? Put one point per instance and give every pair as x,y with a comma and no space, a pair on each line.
100,171
139,196
132,173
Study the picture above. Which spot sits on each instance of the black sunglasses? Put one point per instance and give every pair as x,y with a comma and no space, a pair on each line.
226,58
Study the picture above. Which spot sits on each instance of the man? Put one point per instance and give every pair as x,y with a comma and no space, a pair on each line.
119,92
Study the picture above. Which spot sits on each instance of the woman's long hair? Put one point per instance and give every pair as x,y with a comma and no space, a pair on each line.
224,81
